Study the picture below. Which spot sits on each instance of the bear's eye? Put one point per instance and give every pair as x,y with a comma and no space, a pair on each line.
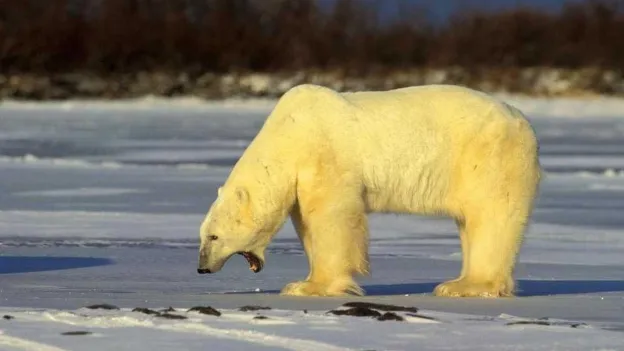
213,237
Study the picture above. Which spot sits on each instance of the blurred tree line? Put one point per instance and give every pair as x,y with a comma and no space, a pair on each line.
113,36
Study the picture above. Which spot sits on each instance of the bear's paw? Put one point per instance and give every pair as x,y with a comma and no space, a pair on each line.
468,288
311,288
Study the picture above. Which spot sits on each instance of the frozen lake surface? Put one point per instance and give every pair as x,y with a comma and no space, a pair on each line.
101,203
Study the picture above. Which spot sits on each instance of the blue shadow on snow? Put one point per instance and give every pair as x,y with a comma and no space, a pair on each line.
524,287
27,264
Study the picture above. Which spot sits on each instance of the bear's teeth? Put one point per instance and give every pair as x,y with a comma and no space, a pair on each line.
249,259
254,262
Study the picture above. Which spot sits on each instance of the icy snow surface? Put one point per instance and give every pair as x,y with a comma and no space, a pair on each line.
101,204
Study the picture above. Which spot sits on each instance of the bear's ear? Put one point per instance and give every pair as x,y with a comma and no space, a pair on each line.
219,191
242,195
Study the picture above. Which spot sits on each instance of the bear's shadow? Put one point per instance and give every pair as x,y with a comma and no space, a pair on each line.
524,287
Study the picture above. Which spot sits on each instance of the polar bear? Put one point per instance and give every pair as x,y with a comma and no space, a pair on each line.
326,159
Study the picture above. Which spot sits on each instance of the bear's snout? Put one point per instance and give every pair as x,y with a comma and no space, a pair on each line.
204,266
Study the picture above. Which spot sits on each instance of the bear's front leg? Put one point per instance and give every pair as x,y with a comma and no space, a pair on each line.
335,241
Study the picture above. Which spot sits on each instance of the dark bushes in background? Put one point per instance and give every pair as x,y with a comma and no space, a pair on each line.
62,49
116,36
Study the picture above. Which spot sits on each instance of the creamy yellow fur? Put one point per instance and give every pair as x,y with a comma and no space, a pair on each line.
327,159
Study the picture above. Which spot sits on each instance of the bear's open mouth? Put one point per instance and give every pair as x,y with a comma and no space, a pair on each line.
255,264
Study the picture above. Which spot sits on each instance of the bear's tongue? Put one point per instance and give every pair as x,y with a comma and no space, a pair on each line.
254,262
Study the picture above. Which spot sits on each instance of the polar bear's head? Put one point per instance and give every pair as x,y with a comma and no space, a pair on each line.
234,225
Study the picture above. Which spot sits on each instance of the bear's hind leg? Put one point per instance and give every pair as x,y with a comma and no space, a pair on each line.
497,180
491,236
335,239
489,251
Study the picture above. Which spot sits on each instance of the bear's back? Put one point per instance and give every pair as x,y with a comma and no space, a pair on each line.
407,138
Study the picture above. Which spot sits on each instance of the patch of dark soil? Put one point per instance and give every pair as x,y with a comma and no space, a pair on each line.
170,316
382,307
77,332
429,318
205,310
357,312
253,308
145,310
546,323
390,316
529,322
103,306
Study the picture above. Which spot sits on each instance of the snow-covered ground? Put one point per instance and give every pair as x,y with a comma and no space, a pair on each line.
101,202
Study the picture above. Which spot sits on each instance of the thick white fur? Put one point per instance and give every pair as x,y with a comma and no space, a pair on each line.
327,159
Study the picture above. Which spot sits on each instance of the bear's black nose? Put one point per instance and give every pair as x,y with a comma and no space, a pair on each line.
203,270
